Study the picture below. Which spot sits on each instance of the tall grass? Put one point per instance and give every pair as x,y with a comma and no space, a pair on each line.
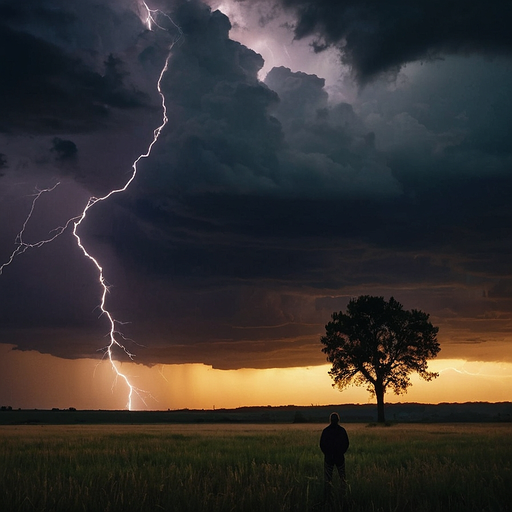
252,468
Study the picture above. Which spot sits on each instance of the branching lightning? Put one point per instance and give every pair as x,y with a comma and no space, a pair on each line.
20,245
151,20
115,335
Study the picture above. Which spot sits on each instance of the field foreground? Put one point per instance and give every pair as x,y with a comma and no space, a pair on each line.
441,467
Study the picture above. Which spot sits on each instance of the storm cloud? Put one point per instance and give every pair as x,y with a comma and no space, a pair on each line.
60,72
376,37
267,202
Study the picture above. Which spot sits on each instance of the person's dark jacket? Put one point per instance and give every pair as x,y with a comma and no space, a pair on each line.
334,443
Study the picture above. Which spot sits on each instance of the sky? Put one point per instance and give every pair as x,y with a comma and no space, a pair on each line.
313,151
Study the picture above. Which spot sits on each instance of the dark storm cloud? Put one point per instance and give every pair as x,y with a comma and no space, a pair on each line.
220,135
367,200
47,84
242,165
377,36
329,151
64,149
221,210
265,205
444,138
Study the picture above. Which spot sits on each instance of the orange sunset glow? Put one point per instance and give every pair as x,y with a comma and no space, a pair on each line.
33,380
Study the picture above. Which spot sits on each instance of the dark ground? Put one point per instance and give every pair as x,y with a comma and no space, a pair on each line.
349,413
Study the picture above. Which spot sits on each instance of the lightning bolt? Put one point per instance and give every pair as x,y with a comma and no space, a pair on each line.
462,371
115,335
285,48
20,245
151,20
267,46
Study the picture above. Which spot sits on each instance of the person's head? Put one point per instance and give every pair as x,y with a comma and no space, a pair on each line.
335,419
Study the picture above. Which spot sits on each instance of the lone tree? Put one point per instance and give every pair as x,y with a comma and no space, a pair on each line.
378,344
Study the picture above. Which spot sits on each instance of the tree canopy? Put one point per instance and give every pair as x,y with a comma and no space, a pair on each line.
378,344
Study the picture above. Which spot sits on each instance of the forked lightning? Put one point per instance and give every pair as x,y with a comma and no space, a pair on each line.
21,246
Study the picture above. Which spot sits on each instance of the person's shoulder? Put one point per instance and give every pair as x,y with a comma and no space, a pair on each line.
328,430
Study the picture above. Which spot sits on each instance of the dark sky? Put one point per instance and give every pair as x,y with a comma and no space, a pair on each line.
268,201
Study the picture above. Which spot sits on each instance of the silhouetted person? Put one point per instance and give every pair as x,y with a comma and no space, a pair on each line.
334,443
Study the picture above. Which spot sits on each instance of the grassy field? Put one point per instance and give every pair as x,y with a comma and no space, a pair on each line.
260,468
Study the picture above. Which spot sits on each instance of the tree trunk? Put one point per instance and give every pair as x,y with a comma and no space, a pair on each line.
379,393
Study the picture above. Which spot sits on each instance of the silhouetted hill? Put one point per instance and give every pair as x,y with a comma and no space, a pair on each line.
367,413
